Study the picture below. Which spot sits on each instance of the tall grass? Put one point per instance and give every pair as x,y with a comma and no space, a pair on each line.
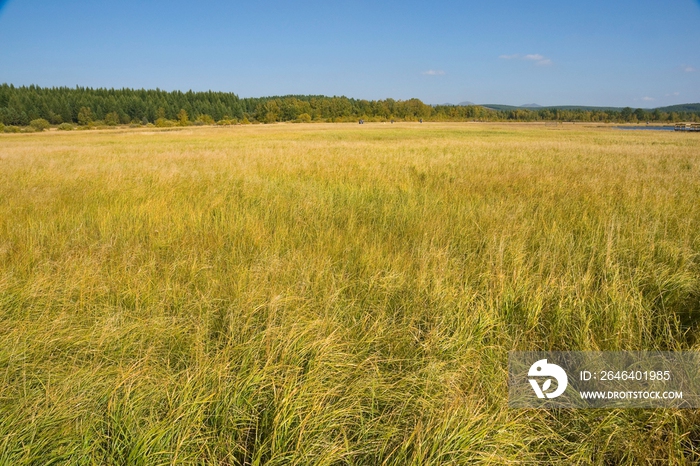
336,294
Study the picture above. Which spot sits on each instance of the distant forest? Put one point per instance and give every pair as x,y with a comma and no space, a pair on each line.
85,106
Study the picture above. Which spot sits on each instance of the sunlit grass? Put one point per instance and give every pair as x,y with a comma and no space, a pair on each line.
336,294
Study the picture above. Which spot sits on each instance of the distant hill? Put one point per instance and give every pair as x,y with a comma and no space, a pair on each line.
584,107
671,108
554,107
500,106
681,108
466,103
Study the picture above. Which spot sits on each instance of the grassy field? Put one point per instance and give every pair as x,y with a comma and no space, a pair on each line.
337,294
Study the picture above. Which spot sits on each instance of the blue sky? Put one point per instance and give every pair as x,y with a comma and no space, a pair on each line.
638,53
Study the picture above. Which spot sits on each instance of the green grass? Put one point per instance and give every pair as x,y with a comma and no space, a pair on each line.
337,294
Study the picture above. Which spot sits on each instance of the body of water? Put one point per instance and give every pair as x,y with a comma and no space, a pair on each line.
650,128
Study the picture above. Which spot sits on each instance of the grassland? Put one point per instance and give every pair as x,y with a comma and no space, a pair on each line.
337,294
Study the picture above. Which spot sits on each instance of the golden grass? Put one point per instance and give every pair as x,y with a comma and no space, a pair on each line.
336,294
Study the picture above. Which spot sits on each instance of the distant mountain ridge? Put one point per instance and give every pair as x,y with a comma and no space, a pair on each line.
681,108
695,107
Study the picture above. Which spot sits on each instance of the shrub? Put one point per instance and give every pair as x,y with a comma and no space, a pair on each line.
66,127
2,127
40,124
12,129
99,124
28,129
204,119
164,123
112,119
305,118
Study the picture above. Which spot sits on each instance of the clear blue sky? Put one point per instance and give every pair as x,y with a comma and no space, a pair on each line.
638,53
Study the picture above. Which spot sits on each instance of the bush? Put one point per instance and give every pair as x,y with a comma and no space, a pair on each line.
40,124
271,117
204,119
304,118
164,123
28,129
2,128
65,127
12,129
112,119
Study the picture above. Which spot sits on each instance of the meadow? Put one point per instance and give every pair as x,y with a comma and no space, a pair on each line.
337,294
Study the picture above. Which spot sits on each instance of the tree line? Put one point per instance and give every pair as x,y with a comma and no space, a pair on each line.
83,105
